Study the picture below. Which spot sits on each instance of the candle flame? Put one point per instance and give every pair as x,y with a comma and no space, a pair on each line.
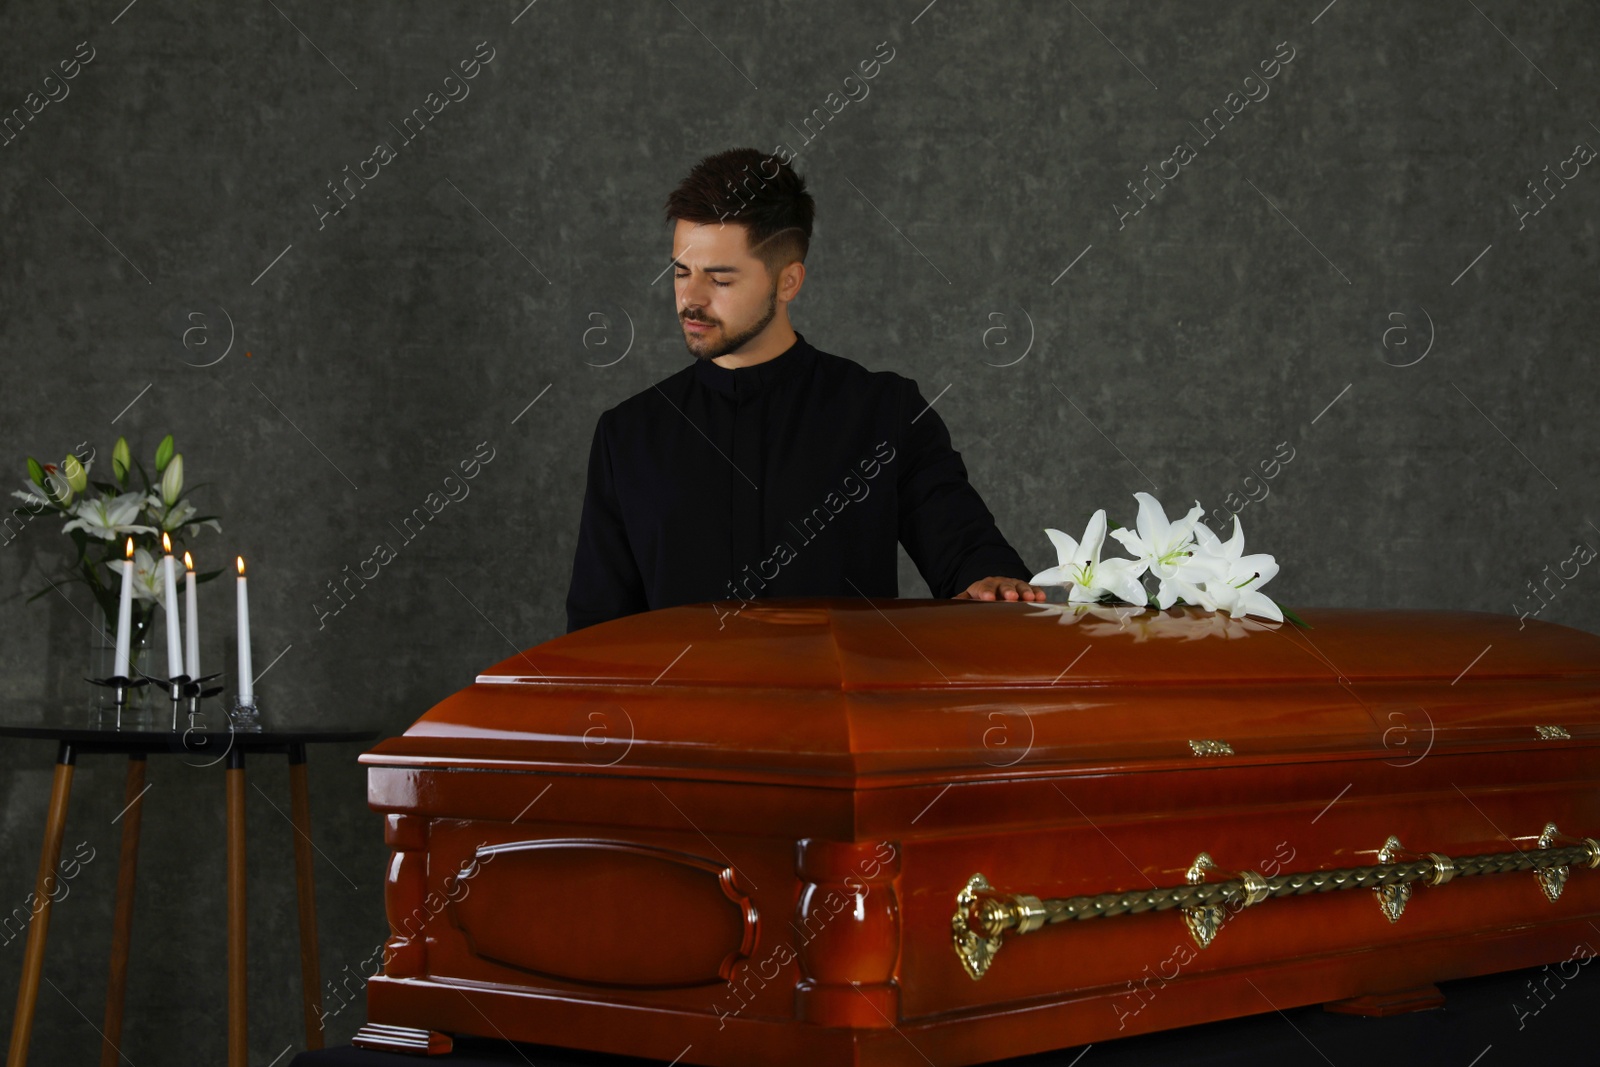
166,544
188,562
241,565
130,548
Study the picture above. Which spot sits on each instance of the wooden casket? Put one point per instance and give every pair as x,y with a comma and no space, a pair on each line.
833,831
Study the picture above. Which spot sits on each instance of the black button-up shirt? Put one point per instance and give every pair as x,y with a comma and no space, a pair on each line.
792,477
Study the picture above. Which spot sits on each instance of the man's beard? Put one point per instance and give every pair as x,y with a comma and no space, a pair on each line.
712,350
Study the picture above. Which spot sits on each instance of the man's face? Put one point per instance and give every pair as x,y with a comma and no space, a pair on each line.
724,297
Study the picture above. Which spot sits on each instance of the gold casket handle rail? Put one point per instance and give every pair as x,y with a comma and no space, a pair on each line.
984,916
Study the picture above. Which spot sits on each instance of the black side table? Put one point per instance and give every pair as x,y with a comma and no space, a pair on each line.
218,746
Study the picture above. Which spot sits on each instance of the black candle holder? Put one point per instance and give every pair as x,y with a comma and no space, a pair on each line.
182,687
179,689
194,691
120,686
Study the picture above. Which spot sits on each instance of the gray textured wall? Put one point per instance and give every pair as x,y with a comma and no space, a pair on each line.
1377,187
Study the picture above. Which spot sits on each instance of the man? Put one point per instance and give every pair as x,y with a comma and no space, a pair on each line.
767,467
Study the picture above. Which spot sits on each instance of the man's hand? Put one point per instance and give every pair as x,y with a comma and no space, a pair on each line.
1000,589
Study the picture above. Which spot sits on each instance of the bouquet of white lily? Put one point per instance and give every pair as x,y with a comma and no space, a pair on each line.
101,515
1190,563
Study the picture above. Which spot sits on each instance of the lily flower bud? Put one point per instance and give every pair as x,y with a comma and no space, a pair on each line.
121,459
172,480
163,453
77,477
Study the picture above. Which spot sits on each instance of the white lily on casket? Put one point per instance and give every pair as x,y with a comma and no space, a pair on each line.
1237,590
1079,564
1167,549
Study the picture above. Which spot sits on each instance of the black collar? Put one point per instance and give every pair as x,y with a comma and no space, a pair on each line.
743,382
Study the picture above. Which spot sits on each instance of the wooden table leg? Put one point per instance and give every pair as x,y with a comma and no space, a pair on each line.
310,977
122,920
238,1000
55,825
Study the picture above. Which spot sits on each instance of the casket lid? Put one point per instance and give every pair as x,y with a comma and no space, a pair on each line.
880,689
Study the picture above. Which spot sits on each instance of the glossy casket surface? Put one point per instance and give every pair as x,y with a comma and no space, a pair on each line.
746,834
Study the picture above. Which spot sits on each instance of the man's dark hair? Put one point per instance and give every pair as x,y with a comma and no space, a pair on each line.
756,190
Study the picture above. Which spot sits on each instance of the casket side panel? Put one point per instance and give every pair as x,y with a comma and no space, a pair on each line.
579,909
665,895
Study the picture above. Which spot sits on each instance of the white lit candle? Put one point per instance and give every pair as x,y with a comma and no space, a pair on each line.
247,690
169,602
191,621
119,667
